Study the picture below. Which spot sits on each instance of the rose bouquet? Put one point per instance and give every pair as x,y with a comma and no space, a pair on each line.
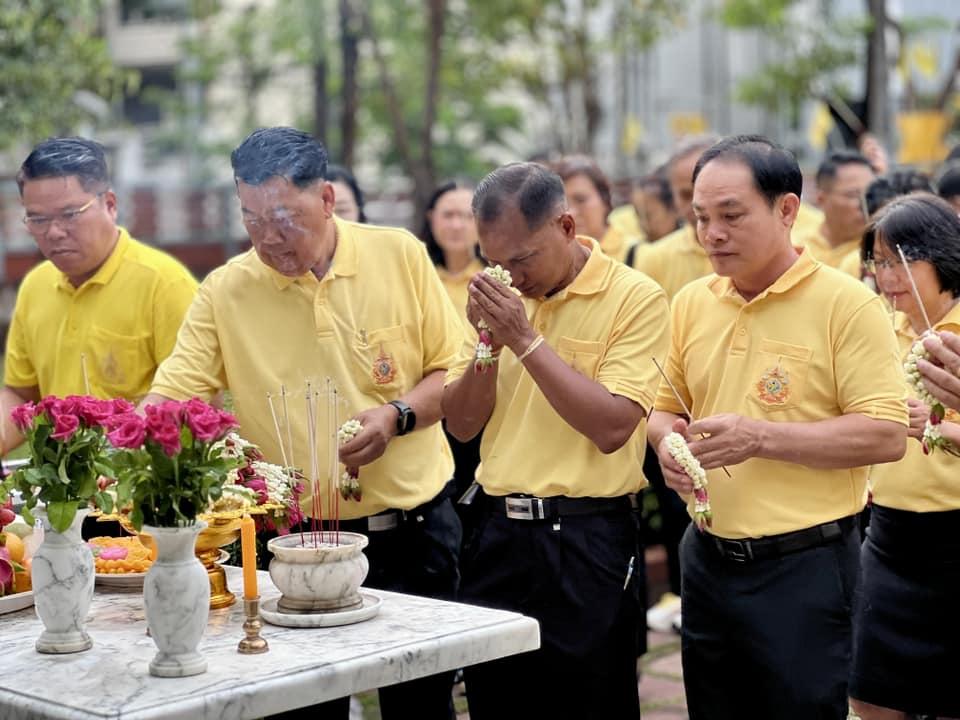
484,358
67,439
677,447
171,461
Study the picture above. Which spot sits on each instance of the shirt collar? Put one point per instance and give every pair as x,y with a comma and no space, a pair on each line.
593,276
804,266
345,261
106,271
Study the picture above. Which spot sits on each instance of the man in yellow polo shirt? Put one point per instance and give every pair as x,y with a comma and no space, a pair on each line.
318,298
790,369
562,414
842,178
102,304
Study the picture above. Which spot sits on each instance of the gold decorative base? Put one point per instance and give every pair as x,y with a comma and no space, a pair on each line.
252,644
220,595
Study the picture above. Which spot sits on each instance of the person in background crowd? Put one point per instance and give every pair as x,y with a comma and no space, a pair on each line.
841,180
562,414
790,371
906,644
948,184
450,235
880,191
348,203
320,297
590,203
653,199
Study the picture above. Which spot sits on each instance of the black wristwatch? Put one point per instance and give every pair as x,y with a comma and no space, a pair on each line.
407,419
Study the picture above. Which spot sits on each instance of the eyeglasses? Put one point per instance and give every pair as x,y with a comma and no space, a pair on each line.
285,223
39,224
893,263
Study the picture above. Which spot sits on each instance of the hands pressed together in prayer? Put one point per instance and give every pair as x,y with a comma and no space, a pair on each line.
502,310
729,439
941,375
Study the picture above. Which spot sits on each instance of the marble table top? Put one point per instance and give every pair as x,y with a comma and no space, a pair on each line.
410,637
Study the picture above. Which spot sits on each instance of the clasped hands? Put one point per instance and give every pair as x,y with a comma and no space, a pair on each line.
728,440
503,312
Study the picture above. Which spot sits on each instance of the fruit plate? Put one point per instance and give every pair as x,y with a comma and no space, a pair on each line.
17,601
120,581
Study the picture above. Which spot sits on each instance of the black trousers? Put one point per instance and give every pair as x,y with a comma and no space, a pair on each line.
418,557
572,576
768,639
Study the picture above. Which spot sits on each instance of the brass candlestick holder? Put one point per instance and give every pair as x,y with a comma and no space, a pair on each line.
252,644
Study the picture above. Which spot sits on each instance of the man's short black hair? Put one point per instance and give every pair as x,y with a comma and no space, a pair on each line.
533,189
948,184
836,160
280,152
338,173
899,181
926,228
775,170
65,157
657,184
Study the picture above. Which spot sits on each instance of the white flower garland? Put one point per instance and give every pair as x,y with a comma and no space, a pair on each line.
484,355
932,437
349,484
677,447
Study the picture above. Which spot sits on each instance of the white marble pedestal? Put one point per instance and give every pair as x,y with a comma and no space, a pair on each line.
411,637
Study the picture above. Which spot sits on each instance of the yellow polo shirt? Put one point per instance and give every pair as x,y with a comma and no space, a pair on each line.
456,285
606,324
823,251
376,324
815,345
851,263
918,482
674,260
809,219
616,244
625,219
123,320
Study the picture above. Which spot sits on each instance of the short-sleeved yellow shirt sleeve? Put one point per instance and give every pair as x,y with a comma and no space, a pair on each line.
123,322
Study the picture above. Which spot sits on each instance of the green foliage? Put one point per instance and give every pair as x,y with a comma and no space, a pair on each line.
50,52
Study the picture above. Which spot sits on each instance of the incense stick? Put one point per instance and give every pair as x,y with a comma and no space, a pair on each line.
83,370
683,405
276,426
913,285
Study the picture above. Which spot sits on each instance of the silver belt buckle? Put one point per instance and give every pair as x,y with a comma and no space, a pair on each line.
524,508
379,523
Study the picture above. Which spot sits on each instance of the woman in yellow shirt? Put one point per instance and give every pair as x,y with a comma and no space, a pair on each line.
906,646
450,235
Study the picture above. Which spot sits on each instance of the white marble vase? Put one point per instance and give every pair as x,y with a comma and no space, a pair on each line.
322,577
176,598
62,577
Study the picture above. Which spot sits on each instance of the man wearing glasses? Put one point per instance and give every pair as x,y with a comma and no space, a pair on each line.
101,313
842,178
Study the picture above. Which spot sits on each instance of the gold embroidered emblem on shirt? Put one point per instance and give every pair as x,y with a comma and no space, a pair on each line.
384,368
774,386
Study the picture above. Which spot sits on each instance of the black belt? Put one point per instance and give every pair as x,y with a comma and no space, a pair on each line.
393,518
751,549
524,507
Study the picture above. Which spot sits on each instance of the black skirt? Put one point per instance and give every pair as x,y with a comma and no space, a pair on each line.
906,641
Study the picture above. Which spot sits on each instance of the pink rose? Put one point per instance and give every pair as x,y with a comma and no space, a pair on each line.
227,422
205,425
121,406
93,411
23,415
259,486
163,426
127,431
64,426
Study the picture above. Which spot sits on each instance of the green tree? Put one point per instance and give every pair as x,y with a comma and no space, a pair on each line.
55,71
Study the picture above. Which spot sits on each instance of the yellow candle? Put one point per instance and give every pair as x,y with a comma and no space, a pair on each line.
248,554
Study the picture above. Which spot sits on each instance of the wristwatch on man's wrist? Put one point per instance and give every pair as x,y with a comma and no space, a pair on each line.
407,419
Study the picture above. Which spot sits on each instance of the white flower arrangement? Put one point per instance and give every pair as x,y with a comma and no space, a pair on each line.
350,480
677,447
484,356
932,437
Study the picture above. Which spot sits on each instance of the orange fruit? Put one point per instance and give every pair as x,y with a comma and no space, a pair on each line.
21,581
14,545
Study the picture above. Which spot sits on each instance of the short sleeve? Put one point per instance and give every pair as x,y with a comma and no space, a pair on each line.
674,369
174,298
18,369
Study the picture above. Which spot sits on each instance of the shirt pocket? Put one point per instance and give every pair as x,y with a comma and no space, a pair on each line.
778,375
582,355
119,365
380,355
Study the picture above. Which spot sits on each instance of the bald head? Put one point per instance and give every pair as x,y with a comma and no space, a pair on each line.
536,192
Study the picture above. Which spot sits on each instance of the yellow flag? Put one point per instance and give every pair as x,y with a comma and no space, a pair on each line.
820,125
633,132
921,136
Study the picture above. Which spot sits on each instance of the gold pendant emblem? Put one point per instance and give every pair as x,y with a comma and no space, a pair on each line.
384,368
774,386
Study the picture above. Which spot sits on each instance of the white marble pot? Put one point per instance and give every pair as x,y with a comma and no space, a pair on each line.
62,577
176,598
325,577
